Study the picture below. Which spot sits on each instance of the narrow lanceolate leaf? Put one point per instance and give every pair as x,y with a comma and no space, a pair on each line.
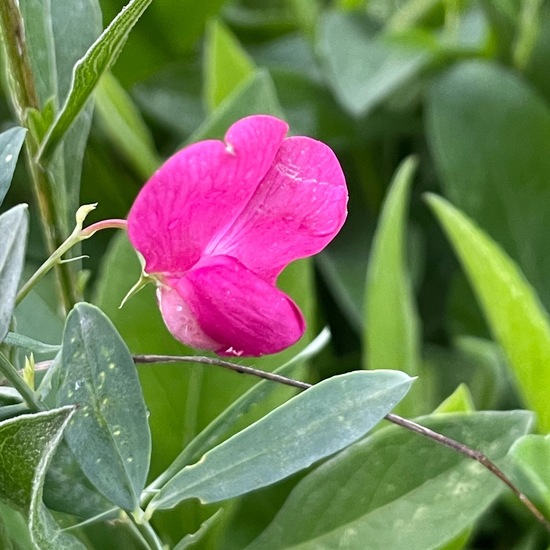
403,491
13,239
109,434
391,328
11,142
311,426
260,393
513,310
28,444
98,59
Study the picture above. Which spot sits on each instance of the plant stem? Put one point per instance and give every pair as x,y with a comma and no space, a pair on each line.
25,99
74,238
395,419
10,372
146,531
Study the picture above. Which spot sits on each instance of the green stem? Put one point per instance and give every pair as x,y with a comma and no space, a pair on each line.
146,530
25,99
10,372
74,238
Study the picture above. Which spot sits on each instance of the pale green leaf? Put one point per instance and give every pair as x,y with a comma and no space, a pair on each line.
109,434
317,423
396,488
511,306
13,241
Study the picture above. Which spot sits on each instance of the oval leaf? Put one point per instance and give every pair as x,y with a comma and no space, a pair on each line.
11,142
13,238
512,308
396,488
315,424
109,435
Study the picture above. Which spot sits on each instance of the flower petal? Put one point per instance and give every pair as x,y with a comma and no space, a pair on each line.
199,192
295,212
237,309
181,321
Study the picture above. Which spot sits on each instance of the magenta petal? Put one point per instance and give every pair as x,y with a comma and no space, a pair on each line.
238,309
199,192
181,321
295,212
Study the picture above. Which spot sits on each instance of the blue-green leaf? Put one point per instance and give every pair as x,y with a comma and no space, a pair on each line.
109,435
315,424
13,241
11,142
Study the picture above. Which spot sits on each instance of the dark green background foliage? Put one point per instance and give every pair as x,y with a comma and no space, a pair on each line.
439,112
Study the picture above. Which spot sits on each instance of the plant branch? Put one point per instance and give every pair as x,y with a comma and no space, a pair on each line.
25,100
395,419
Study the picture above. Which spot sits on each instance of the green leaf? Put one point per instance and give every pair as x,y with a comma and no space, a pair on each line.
22,341
226,64
532,455
98,59
57,35
391,324
13,241
11,142
68,490
315,424
414,494
460,400
517,319
109,434
14,532
122,123
258,394
197,536
28,443
503,184
255,95
384,68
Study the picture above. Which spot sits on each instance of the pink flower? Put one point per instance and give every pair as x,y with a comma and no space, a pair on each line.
218,222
